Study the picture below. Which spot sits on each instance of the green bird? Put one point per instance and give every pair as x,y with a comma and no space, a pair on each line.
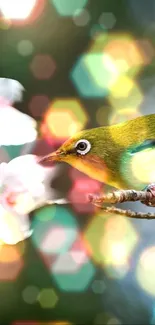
121,155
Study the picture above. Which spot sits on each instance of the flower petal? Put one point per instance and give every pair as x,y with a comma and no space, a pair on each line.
31,174
13,228
16,128
11,90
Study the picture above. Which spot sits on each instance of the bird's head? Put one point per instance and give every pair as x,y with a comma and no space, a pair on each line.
82,151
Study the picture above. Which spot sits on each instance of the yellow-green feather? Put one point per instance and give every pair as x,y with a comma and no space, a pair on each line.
109,143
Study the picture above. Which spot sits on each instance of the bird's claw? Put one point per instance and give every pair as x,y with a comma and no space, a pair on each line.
150,188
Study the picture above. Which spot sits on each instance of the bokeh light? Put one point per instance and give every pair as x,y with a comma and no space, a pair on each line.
14,13
56,233
139,164
125,94
96,30
11,263
106,318
94,74
16,9
122,115
111,240
81,17
107,19
38,104
128,54
68,7
30,294
145,270
70,112
144,172
47,298
98,286
25,47
71,276
43,66
78,195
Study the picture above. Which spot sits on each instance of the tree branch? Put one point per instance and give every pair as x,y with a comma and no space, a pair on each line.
146,197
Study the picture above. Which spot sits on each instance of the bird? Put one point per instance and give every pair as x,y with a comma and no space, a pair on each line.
120,155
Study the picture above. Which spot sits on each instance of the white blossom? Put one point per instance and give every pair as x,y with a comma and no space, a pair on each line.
24,187
16,128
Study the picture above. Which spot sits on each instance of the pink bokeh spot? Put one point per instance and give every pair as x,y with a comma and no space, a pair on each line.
79,194
43,66
54,240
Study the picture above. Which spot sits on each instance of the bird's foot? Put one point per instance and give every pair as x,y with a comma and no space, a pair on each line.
151,189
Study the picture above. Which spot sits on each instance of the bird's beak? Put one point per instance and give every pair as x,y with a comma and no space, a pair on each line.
54,156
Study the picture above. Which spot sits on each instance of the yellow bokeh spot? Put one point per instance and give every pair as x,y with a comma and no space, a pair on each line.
122,115
55,120
122,87
125,93
65,117
142,166
99,42
9,254
127,54
146,270
111,240
60,323
48,298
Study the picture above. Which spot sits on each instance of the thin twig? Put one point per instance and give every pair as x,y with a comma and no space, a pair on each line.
146,197
127,213
123,196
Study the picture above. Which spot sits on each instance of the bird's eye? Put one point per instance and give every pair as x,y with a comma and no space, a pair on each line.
83,146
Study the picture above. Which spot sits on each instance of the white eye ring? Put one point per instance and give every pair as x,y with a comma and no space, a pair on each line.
84,151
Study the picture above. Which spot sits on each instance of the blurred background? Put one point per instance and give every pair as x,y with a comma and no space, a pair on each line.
83,64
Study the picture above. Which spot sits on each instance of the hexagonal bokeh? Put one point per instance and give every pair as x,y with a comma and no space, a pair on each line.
48,298
122,115
43,66
125,94
128,54
68,7
94,74
55,230
22,13
11,263
30,294
145,271
73,271
38,104
78,195
106,318
70,112
25,47
98,286
111,239
81,17
140,164
107,19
